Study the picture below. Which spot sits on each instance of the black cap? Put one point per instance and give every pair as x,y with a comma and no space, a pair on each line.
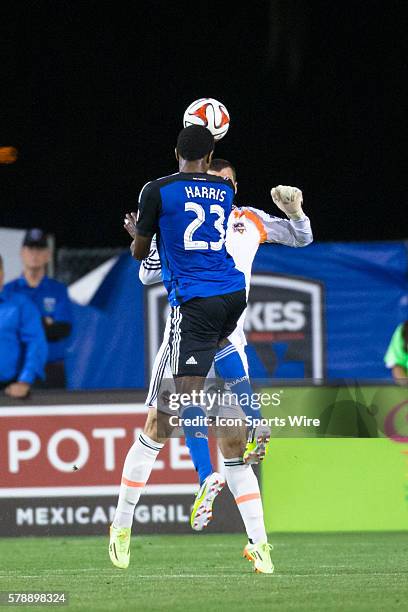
35,238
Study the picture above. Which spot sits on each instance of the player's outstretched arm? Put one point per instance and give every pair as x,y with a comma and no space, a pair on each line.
298,229
283,231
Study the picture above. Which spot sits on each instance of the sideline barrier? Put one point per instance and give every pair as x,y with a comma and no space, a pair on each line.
343,475
350,473
42,439
327,311
336,485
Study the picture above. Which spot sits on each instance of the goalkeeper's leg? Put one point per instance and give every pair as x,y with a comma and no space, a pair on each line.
244,486
232,365
137,469
136,472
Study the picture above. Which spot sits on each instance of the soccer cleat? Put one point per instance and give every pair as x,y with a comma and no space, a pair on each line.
260,556
201,514
257,446
119,546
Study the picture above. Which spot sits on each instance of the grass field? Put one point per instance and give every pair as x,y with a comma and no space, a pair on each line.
325,572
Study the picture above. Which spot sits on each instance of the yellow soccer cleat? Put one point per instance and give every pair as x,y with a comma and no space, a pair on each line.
119,546
257,445
260,556
201,514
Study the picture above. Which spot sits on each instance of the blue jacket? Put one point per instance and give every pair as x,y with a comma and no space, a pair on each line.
23,347
51,299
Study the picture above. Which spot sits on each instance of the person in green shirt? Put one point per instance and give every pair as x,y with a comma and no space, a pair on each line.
396,356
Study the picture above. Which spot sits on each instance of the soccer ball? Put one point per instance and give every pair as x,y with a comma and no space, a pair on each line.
209,113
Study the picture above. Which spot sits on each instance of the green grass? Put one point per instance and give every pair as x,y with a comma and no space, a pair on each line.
197,573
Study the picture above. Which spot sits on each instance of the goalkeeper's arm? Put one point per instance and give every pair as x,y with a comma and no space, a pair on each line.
150,267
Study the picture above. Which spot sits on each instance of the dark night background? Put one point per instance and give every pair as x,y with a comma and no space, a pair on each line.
93,95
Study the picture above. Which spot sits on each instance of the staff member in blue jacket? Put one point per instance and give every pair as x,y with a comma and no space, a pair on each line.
51,299
23,347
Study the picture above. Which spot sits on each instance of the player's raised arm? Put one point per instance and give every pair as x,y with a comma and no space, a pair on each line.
295,231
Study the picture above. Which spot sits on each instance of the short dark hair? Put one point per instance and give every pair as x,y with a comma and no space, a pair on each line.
1,261
194,142
219,164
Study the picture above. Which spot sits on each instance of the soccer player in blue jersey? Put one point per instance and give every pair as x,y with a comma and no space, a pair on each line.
248,227
188,212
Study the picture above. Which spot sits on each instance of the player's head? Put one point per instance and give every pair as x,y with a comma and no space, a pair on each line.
222,167
195,144
35,252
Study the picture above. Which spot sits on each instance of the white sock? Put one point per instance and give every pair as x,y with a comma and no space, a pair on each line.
136,471
244,486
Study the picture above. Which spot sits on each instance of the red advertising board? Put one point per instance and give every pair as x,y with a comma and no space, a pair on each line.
61,465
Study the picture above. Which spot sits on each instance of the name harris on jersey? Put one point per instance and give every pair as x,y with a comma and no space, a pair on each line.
202,191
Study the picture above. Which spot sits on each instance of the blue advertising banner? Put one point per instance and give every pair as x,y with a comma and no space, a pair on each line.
366,296
325,312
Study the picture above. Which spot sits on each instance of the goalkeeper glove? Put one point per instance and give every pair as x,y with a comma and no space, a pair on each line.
289,200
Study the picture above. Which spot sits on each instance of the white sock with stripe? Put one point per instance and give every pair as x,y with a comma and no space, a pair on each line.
136,471
244,486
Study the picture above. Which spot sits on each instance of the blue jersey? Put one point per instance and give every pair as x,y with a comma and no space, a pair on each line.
51,299
23,347
189,213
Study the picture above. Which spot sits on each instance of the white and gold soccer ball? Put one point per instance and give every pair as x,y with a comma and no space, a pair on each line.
209,113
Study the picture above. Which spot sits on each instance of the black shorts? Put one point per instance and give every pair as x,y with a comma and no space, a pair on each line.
196,328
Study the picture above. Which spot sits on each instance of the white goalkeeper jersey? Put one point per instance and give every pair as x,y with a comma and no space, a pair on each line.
247,228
